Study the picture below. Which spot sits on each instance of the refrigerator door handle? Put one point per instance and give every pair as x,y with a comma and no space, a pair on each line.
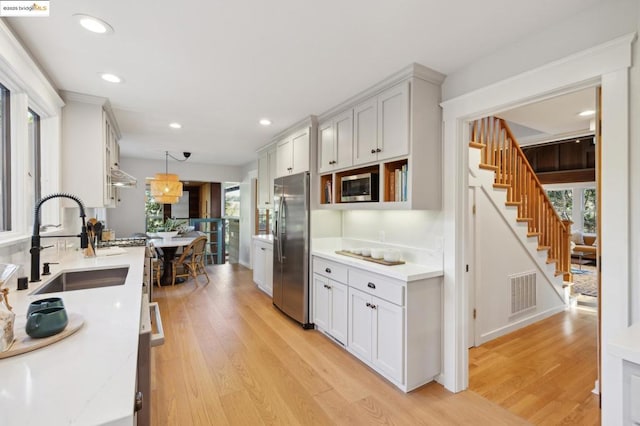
279,228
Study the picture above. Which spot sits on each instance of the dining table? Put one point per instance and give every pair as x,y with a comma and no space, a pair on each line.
169,247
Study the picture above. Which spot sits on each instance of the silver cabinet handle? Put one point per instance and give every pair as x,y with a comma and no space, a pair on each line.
157,339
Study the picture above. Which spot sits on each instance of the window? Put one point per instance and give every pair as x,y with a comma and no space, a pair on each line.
5,160
34,142
562,201
154,212
589,210
232,201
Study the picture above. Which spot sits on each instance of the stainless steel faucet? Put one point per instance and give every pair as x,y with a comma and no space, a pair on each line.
35,238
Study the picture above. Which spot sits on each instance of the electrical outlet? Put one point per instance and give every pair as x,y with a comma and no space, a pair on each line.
381,236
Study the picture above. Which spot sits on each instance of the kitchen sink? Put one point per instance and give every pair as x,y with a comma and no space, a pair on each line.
83,280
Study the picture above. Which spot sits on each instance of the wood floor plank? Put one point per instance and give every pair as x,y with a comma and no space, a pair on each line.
230,357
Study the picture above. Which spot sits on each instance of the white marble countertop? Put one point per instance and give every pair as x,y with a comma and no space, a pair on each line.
626,344
266,238
406,272
89,377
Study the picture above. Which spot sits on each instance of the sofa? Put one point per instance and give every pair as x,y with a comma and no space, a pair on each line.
584,243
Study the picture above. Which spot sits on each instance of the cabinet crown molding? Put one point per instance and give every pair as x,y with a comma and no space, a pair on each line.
68,96
411,71
308,121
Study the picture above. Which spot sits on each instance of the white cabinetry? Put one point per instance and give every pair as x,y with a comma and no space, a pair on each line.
293,153
376,333
89,149
330,300
266,173
382,126
393,326
263,265
335,142
396,135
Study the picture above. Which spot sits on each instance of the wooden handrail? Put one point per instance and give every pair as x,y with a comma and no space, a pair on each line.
501,152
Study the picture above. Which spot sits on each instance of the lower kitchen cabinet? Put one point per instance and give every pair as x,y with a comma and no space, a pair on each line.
330,307
376,333
393,326
263,265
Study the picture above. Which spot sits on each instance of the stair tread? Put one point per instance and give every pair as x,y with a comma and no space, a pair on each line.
513,203
550,261
540,248
558,273
501,185
534,234
473,144
524,219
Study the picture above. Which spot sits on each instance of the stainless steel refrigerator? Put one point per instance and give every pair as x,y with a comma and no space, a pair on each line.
291,247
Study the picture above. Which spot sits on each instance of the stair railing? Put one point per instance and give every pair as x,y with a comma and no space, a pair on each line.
501,153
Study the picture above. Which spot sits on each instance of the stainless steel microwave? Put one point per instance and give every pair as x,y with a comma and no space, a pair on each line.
362,187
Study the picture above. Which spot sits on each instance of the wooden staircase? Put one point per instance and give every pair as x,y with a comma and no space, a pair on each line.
501,154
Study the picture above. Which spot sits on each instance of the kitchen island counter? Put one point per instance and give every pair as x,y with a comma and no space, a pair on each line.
88,378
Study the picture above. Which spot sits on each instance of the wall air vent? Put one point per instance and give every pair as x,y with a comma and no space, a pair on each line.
523,292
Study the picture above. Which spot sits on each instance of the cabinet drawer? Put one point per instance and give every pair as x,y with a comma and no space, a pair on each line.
330,269
377,285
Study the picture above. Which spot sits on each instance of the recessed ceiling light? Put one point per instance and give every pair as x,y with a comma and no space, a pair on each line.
111,78
265,122
93,24
175,125
587,113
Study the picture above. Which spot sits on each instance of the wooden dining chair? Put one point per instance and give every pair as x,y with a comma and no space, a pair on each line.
156,264
191,261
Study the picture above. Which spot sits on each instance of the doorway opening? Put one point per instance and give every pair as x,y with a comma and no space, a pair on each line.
553,340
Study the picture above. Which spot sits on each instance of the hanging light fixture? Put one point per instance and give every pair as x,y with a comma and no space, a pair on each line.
166,188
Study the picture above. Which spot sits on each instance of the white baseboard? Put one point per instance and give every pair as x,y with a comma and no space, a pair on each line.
494,334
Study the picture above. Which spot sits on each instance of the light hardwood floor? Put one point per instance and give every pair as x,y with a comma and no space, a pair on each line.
544,372
230,358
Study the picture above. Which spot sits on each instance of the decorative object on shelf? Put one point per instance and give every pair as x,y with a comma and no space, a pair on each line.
166,188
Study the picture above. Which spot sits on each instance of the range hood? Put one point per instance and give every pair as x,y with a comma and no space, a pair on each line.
122,179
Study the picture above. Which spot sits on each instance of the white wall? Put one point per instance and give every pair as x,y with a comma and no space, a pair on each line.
500,254
588,28
129,218
412,228
247,218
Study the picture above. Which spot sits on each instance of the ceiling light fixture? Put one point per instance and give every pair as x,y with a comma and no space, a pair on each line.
175,125
93,24
111,78
166,188
587,113
265,122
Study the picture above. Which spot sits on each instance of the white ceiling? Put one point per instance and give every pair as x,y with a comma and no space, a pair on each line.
552,119
219,66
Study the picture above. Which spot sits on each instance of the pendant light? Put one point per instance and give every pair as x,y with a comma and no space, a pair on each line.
166,188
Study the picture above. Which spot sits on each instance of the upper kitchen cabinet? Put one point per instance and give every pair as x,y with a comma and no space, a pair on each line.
335,142
396,140
266,174
292,153
382,126
90,149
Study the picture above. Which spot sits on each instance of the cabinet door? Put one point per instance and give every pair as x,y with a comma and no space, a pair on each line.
393,122
268,269
365,119
272,156
300,152
263,180
321,302
326,150
258,264
338,304
360,323
388,338
343,140
284,152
